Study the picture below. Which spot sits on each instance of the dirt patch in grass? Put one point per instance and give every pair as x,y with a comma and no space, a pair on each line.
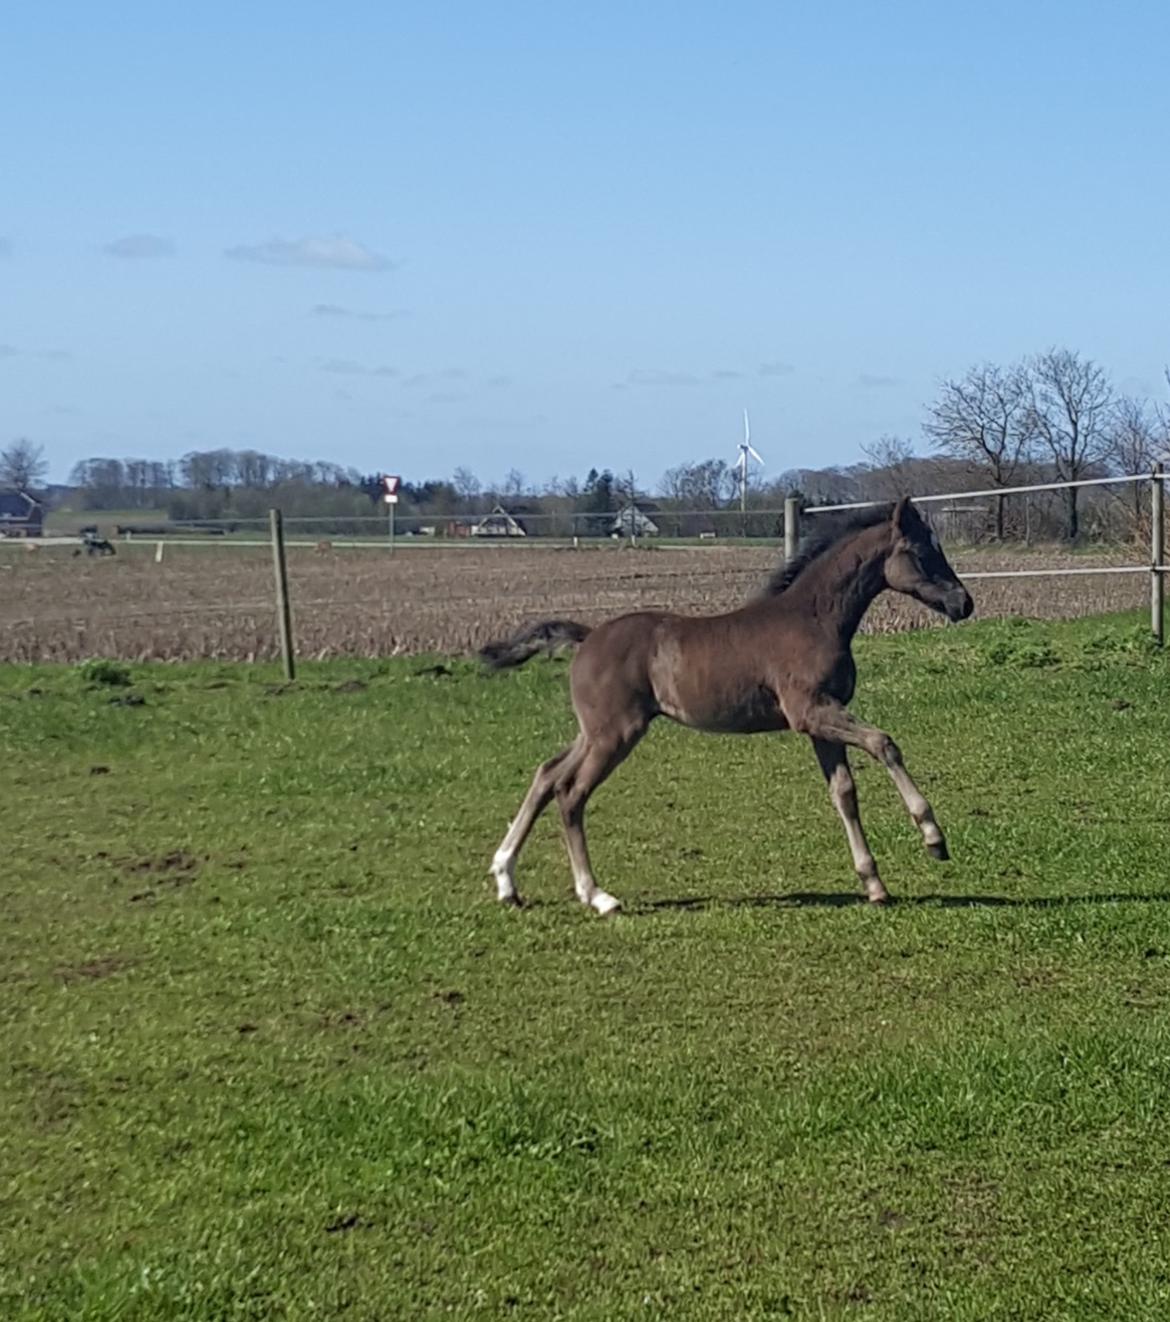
93,970
176,865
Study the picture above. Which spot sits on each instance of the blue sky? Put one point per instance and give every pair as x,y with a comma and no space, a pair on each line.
414,236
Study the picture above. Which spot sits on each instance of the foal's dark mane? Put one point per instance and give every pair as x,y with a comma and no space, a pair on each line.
828,533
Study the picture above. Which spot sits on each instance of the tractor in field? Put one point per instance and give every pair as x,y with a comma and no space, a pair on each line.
92,544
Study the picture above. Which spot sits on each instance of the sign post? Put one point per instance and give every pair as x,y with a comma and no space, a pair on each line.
391,498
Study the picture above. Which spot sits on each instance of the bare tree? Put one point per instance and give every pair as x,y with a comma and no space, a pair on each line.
1071,410
137,476
253,469
891,460
102,482
1135,443
1162,413
626,486
162,474
515,483
1139,437
704,486
23,465
984,420
466,484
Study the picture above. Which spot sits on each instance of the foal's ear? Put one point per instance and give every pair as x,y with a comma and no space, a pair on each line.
906,517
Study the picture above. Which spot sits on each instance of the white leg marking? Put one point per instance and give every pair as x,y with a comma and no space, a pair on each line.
504,870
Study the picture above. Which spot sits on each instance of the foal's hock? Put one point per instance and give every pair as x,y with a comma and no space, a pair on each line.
782,661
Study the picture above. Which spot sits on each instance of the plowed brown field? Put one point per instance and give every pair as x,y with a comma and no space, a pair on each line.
216,601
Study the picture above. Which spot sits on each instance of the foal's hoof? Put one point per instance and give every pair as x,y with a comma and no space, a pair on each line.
605,904
939,851
512,901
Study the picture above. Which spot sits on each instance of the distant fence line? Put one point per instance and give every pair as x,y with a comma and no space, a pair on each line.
514,522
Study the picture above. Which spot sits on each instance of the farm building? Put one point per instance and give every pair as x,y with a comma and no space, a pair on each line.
20,515
634,520
499,523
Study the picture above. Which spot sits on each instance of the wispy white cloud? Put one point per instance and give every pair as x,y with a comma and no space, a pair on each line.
53,355
495,422
348,367
336,311
137,246
656,377
338,253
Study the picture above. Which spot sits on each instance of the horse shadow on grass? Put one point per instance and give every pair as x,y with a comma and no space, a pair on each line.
846,900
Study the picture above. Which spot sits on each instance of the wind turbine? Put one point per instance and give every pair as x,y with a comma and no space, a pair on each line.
741,464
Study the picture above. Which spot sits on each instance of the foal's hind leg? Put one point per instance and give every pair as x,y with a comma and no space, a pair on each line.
573,790
537,799
842,790
829,720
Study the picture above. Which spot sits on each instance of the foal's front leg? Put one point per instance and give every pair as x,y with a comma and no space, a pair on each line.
842,790
830,721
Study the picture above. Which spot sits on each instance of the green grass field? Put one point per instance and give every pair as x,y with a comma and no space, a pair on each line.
271,1050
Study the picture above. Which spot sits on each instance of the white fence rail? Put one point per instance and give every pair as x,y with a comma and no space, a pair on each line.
1155,476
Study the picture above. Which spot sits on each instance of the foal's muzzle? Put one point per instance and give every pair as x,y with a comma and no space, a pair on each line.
957,604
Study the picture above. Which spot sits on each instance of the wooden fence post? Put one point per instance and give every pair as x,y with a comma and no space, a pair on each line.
283,614
1158,553
791,527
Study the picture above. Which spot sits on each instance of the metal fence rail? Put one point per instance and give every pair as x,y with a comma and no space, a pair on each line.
997,491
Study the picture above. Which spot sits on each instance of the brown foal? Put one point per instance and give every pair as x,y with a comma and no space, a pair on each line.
780,662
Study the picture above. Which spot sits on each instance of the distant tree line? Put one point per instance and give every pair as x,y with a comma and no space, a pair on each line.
1053,416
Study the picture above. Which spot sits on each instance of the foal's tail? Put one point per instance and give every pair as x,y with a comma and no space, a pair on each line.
525,643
